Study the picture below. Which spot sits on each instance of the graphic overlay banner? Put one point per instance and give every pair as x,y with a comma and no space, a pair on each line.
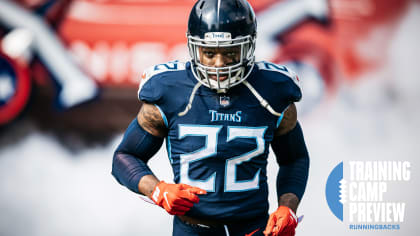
357,194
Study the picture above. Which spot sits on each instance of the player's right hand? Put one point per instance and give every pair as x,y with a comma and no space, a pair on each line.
176,199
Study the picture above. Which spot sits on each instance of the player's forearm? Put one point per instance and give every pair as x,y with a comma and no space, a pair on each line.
129,170
293,158
129,164
292,177
147,184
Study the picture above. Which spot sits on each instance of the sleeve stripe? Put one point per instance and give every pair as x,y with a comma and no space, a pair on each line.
163,116
280,119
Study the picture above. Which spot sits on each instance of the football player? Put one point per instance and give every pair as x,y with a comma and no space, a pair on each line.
219,113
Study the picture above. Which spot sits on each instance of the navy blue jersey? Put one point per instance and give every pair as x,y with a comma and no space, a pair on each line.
222,143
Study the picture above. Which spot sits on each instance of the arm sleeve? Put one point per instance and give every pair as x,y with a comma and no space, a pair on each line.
130,159
293,159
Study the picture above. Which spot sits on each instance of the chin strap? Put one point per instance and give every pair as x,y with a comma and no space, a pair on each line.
188,107
262,101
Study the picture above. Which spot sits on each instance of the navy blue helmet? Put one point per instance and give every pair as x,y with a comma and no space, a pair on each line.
222,23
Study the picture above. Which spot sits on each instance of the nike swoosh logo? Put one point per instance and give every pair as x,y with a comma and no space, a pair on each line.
166,199
253,232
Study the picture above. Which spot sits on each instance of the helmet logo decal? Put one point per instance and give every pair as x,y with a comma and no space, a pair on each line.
217,36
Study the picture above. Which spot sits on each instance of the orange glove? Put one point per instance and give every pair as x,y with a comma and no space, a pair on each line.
281,222
176,199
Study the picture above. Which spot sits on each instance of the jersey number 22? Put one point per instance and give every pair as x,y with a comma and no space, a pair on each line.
211,134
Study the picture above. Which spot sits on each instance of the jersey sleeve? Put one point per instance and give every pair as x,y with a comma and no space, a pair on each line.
281,85
149,89
157,81
292,87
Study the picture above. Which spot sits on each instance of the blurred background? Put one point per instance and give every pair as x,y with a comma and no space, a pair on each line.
69,73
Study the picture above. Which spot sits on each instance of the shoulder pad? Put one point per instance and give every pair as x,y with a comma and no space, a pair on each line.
264,65
159,69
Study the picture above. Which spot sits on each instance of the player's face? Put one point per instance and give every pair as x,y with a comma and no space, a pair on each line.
219,57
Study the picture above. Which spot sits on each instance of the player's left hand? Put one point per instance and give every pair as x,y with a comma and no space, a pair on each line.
282,222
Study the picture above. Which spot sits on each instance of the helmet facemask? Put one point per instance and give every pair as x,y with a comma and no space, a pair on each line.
235,72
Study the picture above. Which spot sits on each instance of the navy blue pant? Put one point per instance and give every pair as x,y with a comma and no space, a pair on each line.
240,228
